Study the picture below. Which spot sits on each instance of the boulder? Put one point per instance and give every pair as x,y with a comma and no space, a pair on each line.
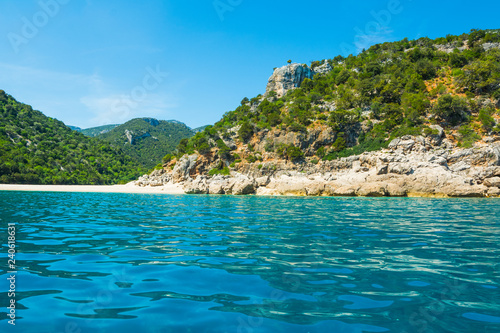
244,186
183,167
492,182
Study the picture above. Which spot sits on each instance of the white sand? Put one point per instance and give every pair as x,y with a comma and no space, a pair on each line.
129,188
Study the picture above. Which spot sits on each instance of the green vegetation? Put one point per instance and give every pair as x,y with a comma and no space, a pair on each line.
35,149
148,140
390,90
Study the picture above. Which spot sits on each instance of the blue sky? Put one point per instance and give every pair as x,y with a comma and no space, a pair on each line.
90,62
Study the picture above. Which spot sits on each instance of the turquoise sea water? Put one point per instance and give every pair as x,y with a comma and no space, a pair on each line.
161,263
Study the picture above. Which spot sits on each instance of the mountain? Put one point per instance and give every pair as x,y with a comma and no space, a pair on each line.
75,128
417,102
36,149
147,140
95,131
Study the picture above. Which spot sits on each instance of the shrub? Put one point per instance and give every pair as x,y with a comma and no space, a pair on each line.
451,107
167,158
224,150
245,132
467,136
215,171
486,119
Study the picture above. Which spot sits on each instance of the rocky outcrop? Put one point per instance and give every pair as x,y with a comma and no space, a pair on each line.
288,77
411,166
323,69
291,76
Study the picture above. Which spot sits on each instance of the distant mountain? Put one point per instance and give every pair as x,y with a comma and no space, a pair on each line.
75,128
147,139
36,149
200,129
95,131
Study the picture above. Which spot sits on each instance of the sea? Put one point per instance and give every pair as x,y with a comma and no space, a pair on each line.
103,262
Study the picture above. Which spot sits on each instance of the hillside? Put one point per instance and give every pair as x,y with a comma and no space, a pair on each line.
146,139
438,95
95,131
36,149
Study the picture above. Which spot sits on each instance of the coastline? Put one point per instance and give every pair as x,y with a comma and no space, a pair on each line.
128,188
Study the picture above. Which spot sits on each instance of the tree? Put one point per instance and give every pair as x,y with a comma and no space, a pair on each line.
246,131
451,107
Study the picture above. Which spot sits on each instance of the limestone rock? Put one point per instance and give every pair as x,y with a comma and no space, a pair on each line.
288,77
183,167
492,182
323,69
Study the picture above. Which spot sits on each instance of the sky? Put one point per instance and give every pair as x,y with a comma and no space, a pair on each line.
95,62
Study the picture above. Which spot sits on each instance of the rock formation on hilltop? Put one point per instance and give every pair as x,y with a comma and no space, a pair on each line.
288,77
291,76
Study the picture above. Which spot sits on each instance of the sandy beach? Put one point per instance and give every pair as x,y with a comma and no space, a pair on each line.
129,188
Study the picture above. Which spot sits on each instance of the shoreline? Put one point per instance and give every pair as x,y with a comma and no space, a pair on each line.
173,189
165,189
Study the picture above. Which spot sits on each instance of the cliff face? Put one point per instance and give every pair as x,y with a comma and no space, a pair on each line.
291,76
288,77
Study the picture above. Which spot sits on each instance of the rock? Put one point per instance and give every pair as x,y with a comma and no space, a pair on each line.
372,190
183,167
493,192
400,168
489,46
465,191
323,69
244,186
262,181
346,191
215,187
197,186
492,182
382,169
288,77
315,189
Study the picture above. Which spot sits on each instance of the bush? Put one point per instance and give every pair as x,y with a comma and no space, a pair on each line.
426,69
245,132
467,136
451,107
167,158
224,171
290,151
486,119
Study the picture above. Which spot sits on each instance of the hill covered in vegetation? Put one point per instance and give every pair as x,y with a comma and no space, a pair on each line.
147,139
407,118
36,149
360,103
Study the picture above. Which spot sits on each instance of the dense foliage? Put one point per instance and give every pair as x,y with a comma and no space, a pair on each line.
389,90
147,140
35,149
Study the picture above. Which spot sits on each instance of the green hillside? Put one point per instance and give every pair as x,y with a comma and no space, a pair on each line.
36,149
95,131
146,139
390,90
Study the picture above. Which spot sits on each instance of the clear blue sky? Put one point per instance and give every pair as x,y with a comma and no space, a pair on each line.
88,63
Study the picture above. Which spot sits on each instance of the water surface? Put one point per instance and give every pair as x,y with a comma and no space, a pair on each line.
161,263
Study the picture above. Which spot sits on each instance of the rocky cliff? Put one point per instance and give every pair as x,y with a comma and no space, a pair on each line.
291,76
410,166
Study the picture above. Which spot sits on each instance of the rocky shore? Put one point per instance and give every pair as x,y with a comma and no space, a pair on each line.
411,166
